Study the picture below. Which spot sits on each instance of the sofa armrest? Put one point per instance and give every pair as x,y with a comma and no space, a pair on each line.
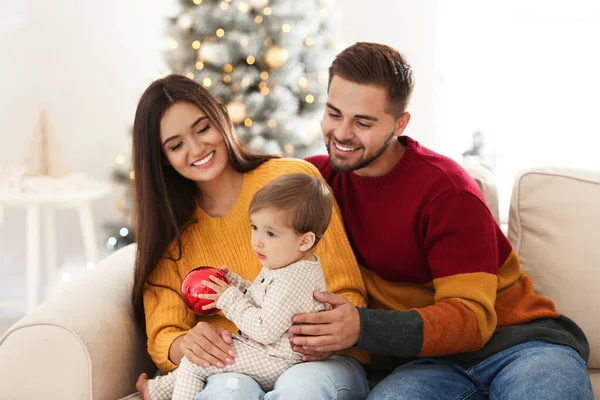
80,344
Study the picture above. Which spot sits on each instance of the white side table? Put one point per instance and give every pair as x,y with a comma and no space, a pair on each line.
40,207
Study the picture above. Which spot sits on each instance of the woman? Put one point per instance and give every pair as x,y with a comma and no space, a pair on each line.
194,181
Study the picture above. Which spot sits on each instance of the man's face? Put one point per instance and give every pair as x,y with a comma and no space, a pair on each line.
356,128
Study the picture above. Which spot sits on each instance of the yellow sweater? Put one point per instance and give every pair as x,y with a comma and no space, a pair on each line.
226,241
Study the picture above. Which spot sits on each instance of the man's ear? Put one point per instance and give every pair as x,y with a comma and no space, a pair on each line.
307,241
401,124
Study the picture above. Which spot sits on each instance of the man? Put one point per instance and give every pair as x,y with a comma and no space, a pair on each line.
448,301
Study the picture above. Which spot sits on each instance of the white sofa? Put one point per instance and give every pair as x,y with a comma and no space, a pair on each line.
83,344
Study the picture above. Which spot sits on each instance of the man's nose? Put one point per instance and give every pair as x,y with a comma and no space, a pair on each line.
344,132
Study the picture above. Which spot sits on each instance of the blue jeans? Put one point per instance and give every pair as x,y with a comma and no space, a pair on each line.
532,370
338,378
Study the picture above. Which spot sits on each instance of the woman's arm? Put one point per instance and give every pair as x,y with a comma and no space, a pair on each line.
175,352
171,327
167,317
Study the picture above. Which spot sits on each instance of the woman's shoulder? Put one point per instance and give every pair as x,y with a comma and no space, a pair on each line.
281,166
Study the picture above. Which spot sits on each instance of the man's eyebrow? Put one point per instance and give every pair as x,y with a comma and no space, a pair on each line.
357,116
337,110
368,117
196,122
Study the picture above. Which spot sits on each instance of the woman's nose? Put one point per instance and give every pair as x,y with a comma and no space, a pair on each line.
196,147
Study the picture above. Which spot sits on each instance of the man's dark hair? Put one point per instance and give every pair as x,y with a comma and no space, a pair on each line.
380,65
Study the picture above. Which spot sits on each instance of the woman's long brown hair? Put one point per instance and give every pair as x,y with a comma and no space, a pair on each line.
165,200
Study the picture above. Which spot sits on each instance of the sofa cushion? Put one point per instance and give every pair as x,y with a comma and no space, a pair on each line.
554,227
484,178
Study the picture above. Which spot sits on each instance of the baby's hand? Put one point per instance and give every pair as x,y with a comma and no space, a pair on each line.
218,286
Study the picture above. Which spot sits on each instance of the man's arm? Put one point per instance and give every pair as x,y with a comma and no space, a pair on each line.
462,252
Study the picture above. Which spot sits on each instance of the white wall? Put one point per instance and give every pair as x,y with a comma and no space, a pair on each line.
410,27
526,74
88,63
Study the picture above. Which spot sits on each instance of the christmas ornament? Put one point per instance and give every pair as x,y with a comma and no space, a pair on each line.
44,156
276,56
192,286
237,111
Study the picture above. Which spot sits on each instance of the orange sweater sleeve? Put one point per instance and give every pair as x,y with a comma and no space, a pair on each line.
167,317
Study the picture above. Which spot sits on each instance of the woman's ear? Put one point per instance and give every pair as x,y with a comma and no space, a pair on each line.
307,241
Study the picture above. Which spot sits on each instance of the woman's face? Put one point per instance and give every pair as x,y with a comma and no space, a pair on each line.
194,147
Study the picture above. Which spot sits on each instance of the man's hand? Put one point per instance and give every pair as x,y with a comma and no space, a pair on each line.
309,355
327,331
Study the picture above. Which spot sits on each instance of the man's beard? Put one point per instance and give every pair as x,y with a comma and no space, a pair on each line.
361,163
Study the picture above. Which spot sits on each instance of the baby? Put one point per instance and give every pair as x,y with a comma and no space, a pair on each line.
288,217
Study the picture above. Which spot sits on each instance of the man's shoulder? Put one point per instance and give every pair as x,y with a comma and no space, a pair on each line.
322,163
443,172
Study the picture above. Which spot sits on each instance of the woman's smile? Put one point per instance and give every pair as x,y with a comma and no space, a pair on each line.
205,161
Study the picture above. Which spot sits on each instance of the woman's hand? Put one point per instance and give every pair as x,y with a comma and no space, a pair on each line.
218,286
206,345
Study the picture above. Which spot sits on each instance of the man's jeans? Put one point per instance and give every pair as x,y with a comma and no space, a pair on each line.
338,378
530,371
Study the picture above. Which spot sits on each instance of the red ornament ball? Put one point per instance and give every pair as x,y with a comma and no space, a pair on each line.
192,286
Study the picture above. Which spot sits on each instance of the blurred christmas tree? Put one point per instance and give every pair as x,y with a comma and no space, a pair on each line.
266,60
121,233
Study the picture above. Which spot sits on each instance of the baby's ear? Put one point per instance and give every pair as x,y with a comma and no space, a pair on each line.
307,241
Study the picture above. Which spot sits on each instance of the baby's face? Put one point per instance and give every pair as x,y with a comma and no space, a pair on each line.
275,244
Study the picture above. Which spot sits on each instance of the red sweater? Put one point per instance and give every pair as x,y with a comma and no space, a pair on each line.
440,274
